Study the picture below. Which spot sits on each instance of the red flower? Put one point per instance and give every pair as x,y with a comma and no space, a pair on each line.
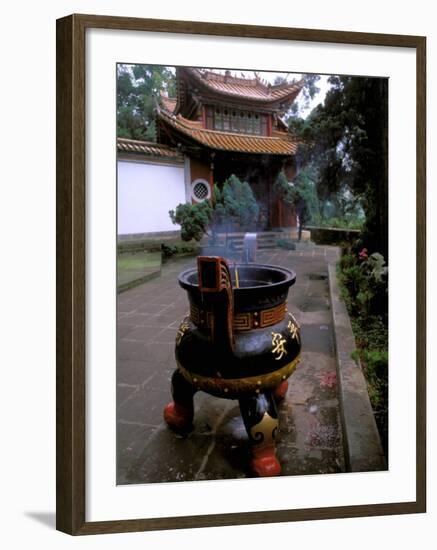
363,254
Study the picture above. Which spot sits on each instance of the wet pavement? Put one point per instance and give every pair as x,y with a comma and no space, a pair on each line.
309,441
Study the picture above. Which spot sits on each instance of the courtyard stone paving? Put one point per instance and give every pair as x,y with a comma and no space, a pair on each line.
310,432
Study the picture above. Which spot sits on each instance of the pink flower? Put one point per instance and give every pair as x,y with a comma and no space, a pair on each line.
363,254
328,379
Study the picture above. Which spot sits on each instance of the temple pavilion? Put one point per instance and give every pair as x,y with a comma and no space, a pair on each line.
222,124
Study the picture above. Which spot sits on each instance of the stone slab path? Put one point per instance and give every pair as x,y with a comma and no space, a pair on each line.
310,431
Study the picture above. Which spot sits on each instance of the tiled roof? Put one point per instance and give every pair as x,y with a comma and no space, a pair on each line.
148,148
169,103
251,88
279,133
191,123
226,141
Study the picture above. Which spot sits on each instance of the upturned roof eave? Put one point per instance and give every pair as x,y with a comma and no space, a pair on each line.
147,149
211,91
196,134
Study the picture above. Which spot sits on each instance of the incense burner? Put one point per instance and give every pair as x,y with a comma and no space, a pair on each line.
238,342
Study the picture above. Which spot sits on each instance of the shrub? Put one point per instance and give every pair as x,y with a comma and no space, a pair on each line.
237,204
349,222
177,249
365,281
364,285
234,204
193,219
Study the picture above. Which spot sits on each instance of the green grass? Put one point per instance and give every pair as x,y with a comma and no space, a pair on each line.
138,261
138,267
151,245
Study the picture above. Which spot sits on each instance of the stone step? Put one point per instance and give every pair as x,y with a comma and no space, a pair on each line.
264,239
263,243
261,246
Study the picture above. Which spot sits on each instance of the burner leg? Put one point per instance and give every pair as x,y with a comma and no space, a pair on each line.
261,421
179,413
280,391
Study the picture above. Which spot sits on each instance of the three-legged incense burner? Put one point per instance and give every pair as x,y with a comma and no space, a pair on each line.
238,342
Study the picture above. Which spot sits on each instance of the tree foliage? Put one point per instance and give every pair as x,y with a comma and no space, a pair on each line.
306,95
139,89
306,188
346,140
301,193
235,203
284,190
194,219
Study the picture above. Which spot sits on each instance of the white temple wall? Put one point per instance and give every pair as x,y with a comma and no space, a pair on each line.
146,192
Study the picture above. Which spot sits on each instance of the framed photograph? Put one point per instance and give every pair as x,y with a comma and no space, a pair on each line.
240,274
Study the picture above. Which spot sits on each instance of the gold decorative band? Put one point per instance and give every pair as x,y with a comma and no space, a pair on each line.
250,384
242,321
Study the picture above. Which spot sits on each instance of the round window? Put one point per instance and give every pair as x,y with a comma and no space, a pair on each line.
200,190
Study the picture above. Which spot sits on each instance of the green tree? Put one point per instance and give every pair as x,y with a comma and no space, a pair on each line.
239,203
139,89
233,204
302,191
306,95
283,190
346,138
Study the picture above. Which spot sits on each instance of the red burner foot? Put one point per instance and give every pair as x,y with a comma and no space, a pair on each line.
178,417
264,462
281,390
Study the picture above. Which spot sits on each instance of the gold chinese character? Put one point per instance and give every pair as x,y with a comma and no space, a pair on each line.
278,345
294,331
183,327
